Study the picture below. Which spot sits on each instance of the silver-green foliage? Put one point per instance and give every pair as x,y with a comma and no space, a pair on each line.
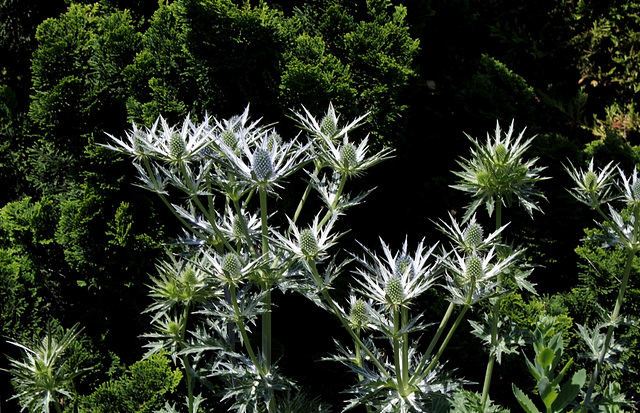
42,376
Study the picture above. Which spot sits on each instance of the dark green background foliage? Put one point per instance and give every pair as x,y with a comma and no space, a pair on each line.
78,239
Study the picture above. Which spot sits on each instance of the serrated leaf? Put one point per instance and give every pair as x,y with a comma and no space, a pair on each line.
524,400
547,392
545,358
570,390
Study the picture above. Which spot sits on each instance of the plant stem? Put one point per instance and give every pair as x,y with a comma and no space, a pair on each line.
434,340
444,343
405,350
494,323
631,253
303,200
266,288
345,324
396,350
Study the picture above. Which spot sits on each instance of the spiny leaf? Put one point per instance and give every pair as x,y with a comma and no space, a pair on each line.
524,400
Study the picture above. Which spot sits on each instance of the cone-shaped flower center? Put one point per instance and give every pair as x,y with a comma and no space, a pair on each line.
177,147
501,153
231,267
359,315
591,181
229,139
237,226
635,190
348,156
403,264
262,165
394,292
328,126
473,235
474,268
309,243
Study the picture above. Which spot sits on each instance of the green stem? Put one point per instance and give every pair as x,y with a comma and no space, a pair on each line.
266,288
57,406
494,323
242,329
345,323
396,349
185,358
305,195
631,253
444,343
434,341
405,350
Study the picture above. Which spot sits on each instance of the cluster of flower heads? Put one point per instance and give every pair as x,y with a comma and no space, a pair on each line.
602,186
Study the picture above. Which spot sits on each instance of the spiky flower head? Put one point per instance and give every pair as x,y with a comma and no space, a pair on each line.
231,267
163,142
396,279
262,161
359,314
473,277
309,243
630,188
394,292
497,172
470,236
261,166
328,128
349,159
592,186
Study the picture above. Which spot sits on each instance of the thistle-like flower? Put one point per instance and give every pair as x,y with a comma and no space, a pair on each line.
164,142
593,187
397,279
473,277
630,188
328,128
470,237
266,161
309,243
230,268
348,159
497,172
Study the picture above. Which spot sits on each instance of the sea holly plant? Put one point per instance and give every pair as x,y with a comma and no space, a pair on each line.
43,377
599,188
497,174
216,288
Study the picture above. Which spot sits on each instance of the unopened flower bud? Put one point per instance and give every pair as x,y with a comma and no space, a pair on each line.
348,156
328,126
473,235
231,267
591,181
177,147
359,315
474,270
501,153
309,243
229,139
394,291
